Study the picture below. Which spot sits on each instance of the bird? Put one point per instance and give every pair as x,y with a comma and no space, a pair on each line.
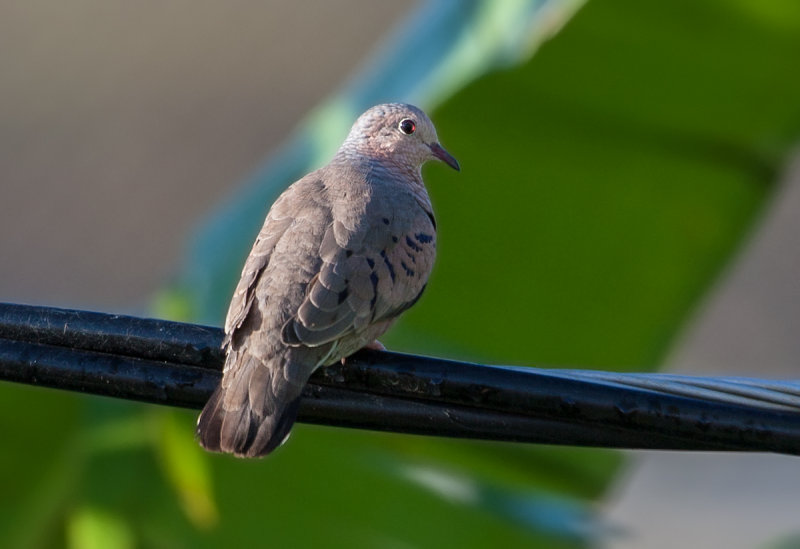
342,253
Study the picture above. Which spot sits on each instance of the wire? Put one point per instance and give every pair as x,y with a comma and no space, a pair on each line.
179,364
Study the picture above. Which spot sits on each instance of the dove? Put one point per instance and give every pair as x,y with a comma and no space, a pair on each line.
342,253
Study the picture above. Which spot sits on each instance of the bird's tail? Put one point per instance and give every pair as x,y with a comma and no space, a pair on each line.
247,416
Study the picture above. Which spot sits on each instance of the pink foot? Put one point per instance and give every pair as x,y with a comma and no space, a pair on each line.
374,346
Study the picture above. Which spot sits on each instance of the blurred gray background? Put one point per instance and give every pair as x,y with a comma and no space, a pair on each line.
124,123
110,156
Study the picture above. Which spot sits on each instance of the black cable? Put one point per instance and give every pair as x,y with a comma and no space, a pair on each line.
179,364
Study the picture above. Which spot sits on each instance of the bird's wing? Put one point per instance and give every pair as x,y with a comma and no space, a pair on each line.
367,276
278,221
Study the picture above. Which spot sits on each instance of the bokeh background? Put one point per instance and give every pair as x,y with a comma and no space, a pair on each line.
628,201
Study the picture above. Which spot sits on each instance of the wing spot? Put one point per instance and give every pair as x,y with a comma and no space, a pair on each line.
371,263
423,238
409,271
348,253
343,295
373,278
385,220
413,245
388,265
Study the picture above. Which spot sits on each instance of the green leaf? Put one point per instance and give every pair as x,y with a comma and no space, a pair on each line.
41,465
89,528
186,467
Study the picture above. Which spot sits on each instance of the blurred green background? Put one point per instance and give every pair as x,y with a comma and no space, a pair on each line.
607,181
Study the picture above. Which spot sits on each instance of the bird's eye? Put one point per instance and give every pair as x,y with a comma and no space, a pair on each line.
407,126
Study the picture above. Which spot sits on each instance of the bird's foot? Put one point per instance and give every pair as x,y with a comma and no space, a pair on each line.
374,346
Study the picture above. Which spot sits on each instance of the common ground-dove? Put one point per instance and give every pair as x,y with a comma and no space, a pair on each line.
343,252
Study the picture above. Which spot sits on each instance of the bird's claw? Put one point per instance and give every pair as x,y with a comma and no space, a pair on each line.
373,346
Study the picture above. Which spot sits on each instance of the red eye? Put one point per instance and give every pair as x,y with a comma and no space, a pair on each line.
407,126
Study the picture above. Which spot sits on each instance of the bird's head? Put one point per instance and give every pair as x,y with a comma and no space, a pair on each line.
399,132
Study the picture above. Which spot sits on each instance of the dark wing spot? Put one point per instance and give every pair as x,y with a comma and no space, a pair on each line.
413,245
385,220
373,278
424,238
388,264
394,238
371,263
348,253
343,295
409,272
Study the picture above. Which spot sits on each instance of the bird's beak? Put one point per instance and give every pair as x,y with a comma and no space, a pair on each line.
439,152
